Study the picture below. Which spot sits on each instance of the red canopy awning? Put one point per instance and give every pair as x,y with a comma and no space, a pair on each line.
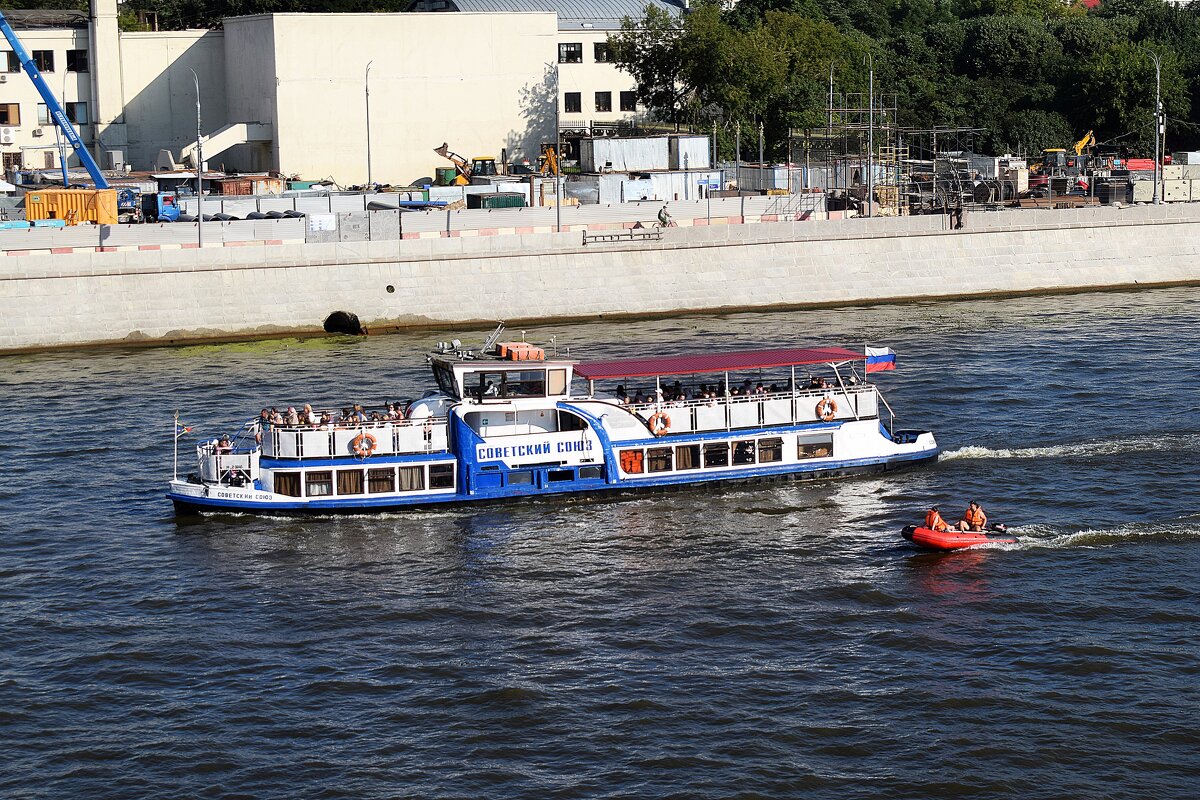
714,362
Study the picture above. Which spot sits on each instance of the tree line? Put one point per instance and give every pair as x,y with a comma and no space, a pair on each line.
1031,73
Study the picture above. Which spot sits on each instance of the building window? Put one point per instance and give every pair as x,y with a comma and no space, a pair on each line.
287,483
441,476
570,53
573,102
629,101
350,481
77,61
43,114
318,484
13,161
380,481
603,53
10,113
14,64
44,60
77,113
604,101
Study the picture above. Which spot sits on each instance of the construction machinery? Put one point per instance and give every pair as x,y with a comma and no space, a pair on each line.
1055,160
479,166
548,163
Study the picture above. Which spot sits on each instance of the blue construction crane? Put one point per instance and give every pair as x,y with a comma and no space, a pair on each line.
56,110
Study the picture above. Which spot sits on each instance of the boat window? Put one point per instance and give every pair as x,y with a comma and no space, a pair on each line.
441,476
412,479
716,455
631,462
592,472
571,422
318,484
770,450
814,446
687,456
523,478
380,481
287,483
556,383
526,383
561,475
743,452
445,379
350,481
484,385
658,459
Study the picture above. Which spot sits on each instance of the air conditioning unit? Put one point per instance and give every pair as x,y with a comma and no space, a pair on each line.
7,136
3,79
38,132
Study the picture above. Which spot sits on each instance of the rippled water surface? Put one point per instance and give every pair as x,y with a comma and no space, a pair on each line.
777,640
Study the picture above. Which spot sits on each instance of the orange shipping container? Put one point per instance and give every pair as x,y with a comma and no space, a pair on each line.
73,205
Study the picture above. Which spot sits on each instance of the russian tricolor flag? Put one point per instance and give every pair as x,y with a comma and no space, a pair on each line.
880,359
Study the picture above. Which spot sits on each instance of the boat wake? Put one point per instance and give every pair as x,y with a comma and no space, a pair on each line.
1105,447
1045,536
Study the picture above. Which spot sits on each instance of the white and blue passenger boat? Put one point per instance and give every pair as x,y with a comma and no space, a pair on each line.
506,422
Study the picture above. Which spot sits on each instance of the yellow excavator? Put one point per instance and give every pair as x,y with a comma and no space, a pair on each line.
479,165
1055,158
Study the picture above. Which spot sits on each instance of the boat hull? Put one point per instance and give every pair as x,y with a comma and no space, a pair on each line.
191,499
930,539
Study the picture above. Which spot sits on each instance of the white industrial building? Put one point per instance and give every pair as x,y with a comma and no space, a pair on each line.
289,92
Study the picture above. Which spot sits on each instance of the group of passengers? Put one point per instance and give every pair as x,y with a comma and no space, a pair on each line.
305,417
677,392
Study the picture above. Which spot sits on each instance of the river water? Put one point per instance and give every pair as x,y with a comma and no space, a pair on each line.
777,640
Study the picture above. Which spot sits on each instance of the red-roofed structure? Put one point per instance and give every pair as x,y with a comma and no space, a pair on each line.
714,362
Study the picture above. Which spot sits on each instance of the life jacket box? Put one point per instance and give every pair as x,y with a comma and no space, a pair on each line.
521,351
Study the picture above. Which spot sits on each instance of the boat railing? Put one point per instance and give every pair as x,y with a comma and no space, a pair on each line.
237,466
763,409
386,437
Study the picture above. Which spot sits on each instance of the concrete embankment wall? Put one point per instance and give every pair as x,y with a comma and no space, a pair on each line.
180,295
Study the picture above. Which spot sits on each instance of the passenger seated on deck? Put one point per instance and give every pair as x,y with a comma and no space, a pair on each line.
293,419
934,521
276,417
223,446
491,390
309,417
973,518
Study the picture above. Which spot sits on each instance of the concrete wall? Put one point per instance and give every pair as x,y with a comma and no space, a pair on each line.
160,93
175,295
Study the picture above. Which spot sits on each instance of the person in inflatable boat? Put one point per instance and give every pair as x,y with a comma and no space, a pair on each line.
973,519
934,521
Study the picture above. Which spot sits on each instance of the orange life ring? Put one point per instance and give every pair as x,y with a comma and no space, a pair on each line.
659,423
364,444
827,409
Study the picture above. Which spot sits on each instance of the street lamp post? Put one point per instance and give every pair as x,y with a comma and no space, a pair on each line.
367,90
1158,123
199,168
870,134
558,154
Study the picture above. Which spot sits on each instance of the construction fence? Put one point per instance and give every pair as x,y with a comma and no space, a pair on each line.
356,224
